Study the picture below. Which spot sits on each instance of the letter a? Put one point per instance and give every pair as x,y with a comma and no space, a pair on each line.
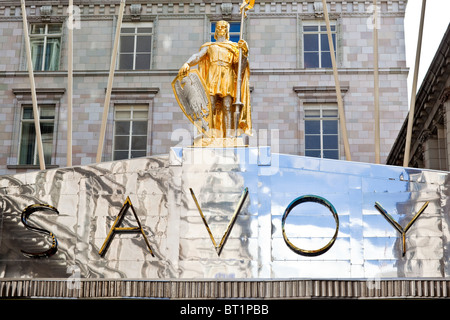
115,228
230,224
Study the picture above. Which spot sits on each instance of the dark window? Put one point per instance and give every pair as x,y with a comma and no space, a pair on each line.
316,49
135,48
321,132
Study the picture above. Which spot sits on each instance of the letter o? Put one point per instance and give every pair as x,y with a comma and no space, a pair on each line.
292,205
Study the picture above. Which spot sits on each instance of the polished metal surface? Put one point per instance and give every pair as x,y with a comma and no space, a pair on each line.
89,198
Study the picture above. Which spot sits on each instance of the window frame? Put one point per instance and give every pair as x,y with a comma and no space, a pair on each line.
31,121
132,108
136,25
319,24
321,108
45,36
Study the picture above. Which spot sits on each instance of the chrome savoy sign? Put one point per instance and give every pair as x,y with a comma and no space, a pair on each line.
208,213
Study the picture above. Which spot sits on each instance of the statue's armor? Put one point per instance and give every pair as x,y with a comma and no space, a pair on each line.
221,78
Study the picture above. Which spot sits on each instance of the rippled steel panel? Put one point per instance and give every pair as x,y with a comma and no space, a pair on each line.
89,199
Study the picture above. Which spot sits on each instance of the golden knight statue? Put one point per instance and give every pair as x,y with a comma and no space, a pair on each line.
218,65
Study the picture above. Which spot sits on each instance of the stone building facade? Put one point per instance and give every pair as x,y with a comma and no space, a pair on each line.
430,135
291,77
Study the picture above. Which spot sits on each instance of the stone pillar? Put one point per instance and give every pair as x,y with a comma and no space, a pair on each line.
431,157
446,113
442,141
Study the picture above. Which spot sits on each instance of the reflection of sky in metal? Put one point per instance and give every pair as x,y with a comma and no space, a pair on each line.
89,197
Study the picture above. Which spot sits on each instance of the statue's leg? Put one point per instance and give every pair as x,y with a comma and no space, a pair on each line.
228,116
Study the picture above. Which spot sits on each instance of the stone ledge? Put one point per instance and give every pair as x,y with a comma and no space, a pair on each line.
225,288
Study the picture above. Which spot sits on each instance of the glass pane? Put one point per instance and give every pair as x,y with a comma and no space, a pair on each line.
144,30
54,28
312,142
52,54
331,154
123,114
127,30
328,113
122,127
326,60
312,113
140,128
234,38
142,62
37,28
138,142
144,44
324,46
122,143
37,51
311,59
312,127
330,126
235,27
126,44
310,28
126,62
137,154
312,153
28,113
27,144
213,27
330,142
324,28
47,141
120,155
310,42
140,114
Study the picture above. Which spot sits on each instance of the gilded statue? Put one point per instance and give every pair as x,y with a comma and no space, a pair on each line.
219,63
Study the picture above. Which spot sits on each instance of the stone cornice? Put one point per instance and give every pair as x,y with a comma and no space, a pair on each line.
134,91
429,99
22,92
11,9
173,72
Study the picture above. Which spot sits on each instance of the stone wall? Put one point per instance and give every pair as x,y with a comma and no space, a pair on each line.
273,31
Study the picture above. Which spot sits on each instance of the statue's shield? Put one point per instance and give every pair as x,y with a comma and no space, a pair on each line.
190,92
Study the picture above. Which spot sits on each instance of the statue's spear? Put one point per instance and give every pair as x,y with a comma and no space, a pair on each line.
246,5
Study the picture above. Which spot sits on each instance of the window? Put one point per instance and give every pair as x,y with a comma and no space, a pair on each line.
322,131
28,151
130,132
45,43
235,29
316,49
135,48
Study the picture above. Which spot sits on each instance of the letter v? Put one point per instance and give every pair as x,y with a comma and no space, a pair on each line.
230,224
399,227
115,228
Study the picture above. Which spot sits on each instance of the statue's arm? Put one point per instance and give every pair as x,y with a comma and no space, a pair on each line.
242,44
192,61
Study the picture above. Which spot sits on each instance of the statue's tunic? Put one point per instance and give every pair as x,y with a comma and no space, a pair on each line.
221,79
219,71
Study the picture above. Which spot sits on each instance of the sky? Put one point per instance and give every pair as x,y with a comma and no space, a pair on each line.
437,18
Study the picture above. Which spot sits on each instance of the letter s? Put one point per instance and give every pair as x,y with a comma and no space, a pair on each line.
25,214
